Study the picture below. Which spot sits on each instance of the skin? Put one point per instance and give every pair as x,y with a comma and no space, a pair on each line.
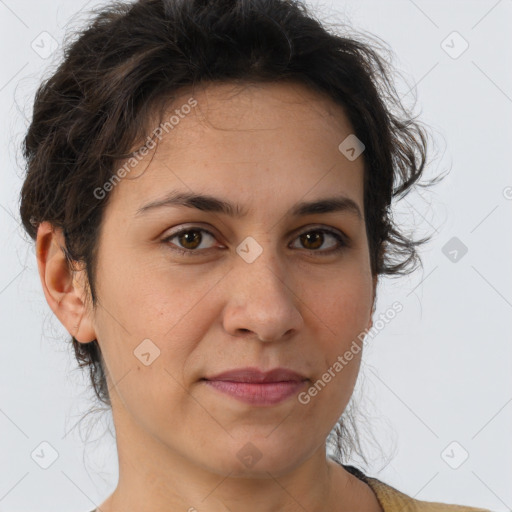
265,147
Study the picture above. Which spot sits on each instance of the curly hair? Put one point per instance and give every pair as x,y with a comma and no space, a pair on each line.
132,59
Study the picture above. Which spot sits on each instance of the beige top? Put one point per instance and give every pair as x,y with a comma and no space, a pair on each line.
392,500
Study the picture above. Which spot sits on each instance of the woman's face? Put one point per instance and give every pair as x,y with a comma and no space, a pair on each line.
253,290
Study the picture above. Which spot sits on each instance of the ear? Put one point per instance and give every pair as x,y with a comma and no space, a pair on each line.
63,288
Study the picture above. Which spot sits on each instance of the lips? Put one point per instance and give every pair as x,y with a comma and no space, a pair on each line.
254,375
255,387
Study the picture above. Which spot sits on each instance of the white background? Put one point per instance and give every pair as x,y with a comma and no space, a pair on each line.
439,372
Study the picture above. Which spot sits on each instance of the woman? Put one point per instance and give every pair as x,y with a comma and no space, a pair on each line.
209,187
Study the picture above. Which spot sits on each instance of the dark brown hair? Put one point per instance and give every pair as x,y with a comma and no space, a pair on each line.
132,59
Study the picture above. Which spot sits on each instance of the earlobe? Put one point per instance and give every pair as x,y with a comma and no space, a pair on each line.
64,289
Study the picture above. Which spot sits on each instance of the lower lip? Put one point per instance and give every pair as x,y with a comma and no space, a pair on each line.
258,393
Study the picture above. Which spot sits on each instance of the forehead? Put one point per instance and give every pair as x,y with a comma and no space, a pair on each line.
246,109
255,141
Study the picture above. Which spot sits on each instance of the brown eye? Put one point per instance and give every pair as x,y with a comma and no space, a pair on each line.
189,241
314,239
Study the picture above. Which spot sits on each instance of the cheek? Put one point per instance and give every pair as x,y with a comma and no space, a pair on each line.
345,311
153,298
344,308
149,331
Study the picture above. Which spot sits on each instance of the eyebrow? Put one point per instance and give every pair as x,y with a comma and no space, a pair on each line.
208,203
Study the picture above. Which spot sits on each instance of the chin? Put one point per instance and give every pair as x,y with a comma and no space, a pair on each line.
256,457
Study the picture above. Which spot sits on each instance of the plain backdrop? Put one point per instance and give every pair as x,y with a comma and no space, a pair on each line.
436,381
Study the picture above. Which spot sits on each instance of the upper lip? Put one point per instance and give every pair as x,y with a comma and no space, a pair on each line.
252,374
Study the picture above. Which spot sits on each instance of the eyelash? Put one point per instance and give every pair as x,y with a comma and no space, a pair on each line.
343,244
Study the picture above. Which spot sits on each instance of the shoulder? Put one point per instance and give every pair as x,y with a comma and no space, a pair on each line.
392,499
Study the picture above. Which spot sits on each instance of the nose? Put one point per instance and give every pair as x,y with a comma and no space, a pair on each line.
261,301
